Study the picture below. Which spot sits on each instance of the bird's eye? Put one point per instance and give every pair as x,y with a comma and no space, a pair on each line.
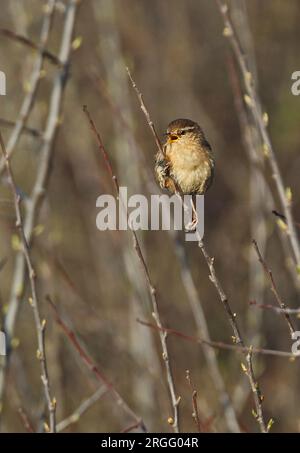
182,132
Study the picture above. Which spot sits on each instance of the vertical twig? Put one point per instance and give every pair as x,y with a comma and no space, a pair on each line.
174,420
40,325
34,202
195,414
253,102
146,113
141,342
203,331
187,278
236,338
213,277
261,194
257,395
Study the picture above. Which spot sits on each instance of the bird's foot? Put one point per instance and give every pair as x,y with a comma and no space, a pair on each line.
191,226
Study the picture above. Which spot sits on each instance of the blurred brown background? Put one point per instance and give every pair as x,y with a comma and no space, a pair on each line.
179,59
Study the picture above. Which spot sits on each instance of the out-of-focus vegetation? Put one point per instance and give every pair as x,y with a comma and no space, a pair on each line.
179,58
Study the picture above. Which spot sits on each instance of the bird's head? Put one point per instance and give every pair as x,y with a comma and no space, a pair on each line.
183,131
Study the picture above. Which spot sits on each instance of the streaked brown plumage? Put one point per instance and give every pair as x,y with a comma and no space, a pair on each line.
187,163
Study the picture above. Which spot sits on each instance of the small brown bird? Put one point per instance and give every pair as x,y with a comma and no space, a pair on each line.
187,164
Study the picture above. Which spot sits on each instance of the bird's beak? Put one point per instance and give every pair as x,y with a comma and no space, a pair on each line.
172,138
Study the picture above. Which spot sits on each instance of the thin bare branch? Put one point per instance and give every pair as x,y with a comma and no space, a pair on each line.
213,277
273,288
203,331
130,428
258,397
253,144
146,113
174,421
195,413
186,274
253,102
29,43
221,344
81,409
34,202
237,336
28,130
33,82
279,310
88,361
40,324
